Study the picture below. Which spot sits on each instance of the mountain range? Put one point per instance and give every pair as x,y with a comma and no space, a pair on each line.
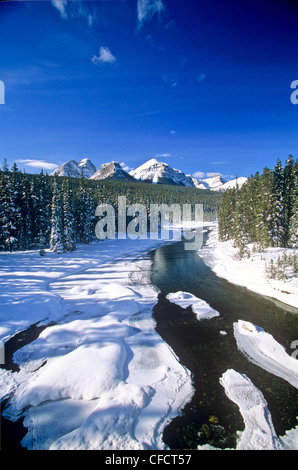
152,171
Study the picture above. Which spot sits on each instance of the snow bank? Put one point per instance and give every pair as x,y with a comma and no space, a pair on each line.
199,306
265,351
259,433
250,272
101,377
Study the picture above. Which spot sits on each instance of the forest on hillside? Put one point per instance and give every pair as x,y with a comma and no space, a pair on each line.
42,211
264,211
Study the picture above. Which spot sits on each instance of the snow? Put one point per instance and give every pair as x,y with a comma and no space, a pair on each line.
201,309
100,377
265,351
250,272
259,432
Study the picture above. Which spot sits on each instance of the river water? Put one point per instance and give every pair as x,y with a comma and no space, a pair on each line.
211,418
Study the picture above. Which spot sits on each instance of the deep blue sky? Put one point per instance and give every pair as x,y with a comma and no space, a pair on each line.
201,84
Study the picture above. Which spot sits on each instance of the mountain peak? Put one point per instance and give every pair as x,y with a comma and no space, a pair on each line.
161,173
111,170
73,169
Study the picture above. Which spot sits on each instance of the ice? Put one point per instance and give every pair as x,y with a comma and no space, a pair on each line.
199,306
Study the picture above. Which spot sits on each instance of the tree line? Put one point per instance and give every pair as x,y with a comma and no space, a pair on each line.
42,211
264,211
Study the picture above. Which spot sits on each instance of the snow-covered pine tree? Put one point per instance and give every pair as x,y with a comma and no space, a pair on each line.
26,223
8,213
41,201
69,222
288,192
277,207
57,240
293,229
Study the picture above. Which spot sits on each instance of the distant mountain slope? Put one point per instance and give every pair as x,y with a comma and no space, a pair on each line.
111,170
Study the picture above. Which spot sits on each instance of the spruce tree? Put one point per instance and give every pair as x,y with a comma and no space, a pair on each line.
69,218
57,240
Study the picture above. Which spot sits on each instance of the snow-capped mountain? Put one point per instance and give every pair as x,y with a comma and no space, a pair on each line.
152,171
73,169
111,170
218,183
88,168
158,172
214,183
232,184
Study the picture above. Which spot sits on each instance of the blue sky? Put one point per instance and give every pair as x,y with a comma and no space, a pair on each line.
203,85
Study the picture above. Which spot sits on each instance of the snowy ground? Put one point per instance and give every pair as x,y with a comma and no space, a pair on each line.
249,272
101,377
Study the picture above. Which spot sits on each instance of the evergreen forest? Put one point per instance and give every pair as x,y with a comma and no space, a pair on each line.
264,211
38,211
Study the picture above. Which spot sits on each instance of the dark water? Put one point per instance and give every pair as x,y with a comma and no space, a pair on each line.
211,418
12,432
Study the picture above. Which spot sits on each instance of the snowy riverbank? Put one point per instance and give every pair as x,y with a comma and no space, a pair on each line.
250,272
101,377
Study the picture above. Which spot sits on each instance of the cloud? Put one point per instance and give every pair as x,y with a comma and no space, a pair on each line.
60,5
37,163
163,155
210,174
199,174
125,167
146,9
74,10
105,57
172,132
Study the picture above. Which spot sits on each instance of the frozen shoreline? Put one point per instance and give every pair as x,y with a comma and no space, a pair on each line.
221,257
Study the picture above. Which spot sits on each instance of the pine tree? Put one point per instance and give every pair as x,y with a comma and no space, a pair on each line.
69,218
277,208
57,240
293,223
288,192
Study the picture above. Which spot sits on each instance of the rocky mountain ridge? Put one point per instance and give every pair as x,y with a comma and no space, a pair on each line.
152,171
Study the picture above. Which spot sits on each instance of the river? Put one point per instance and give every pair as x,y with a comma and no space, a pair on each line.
211,418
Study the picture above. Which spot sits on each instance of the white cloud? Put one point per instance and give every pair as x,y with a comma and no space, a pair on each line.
163,155
105,57
125,167
172,132
37,163
60,5
74,10
210,174
199,174
146,9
